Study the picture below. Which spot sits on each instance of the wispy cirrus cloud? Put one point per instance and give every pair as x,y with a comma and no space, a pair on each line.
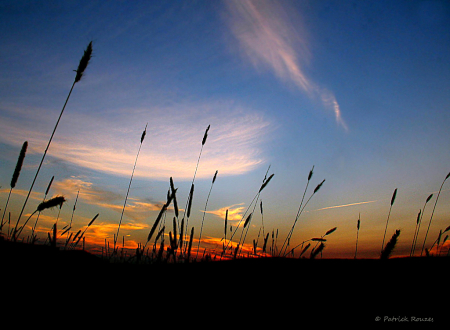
269,39
108,141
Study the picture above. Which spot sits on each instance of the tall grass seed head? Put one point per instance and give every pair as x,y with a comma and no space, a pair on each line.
55,201
84,62
393,196
205,136
19,164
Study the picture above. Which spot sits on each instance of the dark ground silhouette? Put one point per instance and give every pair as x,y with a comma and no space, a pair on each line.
257,291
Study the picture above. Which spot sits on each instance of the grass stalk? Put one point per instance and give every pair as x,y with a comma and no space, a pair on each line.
264,248
155,224
357,233
250,216
389,248
304,250
33,236
175,203
71,218
84,231
266,180
226,225
55,201
300,210
79,73
416,232
438,240
9,224
262,221
316,251
53,237
170,197
174,242
246,228
288,237
129,186
418,223
301,244
274,243
321,240
191,237
389,214
14,178
191,193
432,213
74,208
204,213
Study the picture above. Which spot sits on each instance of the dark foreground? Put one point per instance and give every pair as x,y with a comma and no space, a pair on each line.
65,285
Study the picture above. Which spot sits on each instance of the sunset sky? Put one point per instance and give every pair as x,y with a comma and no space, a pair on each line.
358,89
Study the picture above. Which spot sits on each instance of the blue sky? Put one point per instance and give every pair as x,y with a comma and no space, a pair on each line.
357,89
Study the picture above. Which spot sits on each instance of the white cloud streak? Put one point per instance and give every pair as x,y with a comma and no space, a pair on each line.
269,38
235,212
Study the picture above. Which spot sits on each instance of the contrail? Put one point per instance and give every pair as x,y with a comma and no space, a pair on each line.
337,206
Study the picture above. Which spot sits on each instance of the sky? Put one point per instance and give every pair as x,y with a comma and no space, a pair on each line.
357,89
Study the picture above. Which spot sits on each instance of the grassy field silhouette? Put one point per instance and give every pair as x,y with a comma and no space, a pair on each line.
170,264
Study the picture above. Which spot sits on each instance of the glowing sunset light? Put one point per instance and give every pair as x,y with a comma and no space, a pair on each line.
235,212
234,143
359,90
